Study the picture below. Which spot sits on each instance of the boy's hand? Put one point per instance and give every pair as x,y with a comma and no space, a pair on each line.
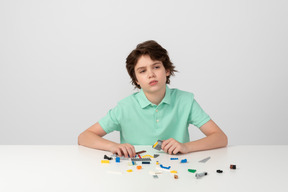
172,146
124,149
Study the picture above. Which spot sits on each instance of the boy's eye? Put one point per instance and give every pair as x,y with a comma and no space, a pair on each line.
142,71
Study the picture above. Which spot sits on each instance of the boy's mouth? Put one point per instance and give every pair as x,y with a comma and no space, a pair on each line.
154,82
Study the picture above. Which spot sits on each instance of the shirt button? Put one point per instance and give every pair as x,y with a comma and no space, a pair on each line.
157,120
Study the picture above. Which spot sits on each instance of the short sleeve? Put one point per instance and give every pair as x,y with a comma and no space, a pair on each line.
110,122
197,116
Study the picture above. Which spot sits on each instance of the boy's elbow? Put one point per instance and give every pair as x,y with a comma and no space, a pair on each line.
225,140
80,139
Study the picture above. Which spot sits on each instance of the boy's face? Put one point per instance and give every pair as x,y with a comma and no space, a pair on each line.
151,75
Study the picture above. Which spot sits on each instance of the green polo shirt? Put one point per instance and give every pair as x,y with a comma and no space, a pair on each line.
141,122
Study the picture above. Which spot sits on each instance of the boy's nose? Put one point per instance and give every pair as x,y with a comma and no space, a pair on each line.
151,74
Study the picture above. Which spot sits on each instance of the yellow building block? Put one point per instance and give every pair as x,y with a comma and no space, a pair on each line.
155,144
173,171
144,156
104,161
129,170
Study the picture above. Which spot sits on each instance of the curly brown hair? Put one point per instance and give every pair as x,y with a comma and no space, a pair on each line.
156,52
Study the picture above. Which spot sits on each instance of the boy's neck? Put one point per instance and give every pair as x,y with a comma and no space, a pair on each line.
156,97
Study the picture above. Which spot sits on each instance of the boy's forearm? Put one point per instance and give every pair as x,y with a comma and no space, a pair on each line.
90,139
213,141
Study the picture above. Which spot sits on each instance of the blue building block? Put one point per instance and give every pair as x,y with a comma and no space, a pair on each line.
164,167
184,161
117,159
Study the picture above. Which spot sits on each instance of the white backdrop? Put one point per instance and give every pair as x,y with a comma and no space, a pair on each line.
62,64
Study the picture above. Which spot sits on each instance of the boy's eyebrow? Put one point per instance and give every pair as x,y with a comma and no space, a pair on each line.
156,63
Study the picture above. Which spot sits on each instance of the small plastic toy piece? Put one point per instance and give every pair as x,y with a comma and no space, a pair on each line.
104,161
192,170
131,163
205,160
108,158
156,155
183,161
155,172
232,166
157,145
173,158
173,171
139,156
145,162
117,159
155,176
198,175
139,167
139,152
142,159
219,171
175,176
129,170
164,167
144,156
157,162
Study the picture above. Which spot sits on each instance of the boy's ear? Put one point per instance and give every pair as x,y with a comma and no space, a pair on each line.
137,82
167,72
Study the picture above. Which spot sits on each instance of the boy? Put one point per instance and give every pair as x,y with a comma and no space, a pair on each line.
155,112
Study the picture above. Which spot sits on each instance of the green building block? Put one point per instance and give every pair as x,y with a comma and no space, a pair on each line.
192,170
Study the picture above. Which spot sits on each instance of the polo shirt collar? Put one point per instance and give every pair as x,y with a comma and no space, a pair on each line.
144,102
167,97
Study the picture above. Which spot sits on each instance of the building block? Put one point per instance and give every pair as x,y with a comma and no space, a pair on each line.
156,155
155,172
183,161
157,145
104,161
108,158
139,152
144,156
155,176
142,159
232,166
198,175
192,170
205,160
164,167
219,171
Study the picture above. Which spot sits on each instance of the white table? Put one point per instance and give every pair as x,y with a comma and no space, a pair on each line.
77,168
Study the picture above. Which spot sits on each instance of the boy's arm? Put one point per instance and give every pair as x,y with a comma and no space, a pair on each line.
92,137
215,138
